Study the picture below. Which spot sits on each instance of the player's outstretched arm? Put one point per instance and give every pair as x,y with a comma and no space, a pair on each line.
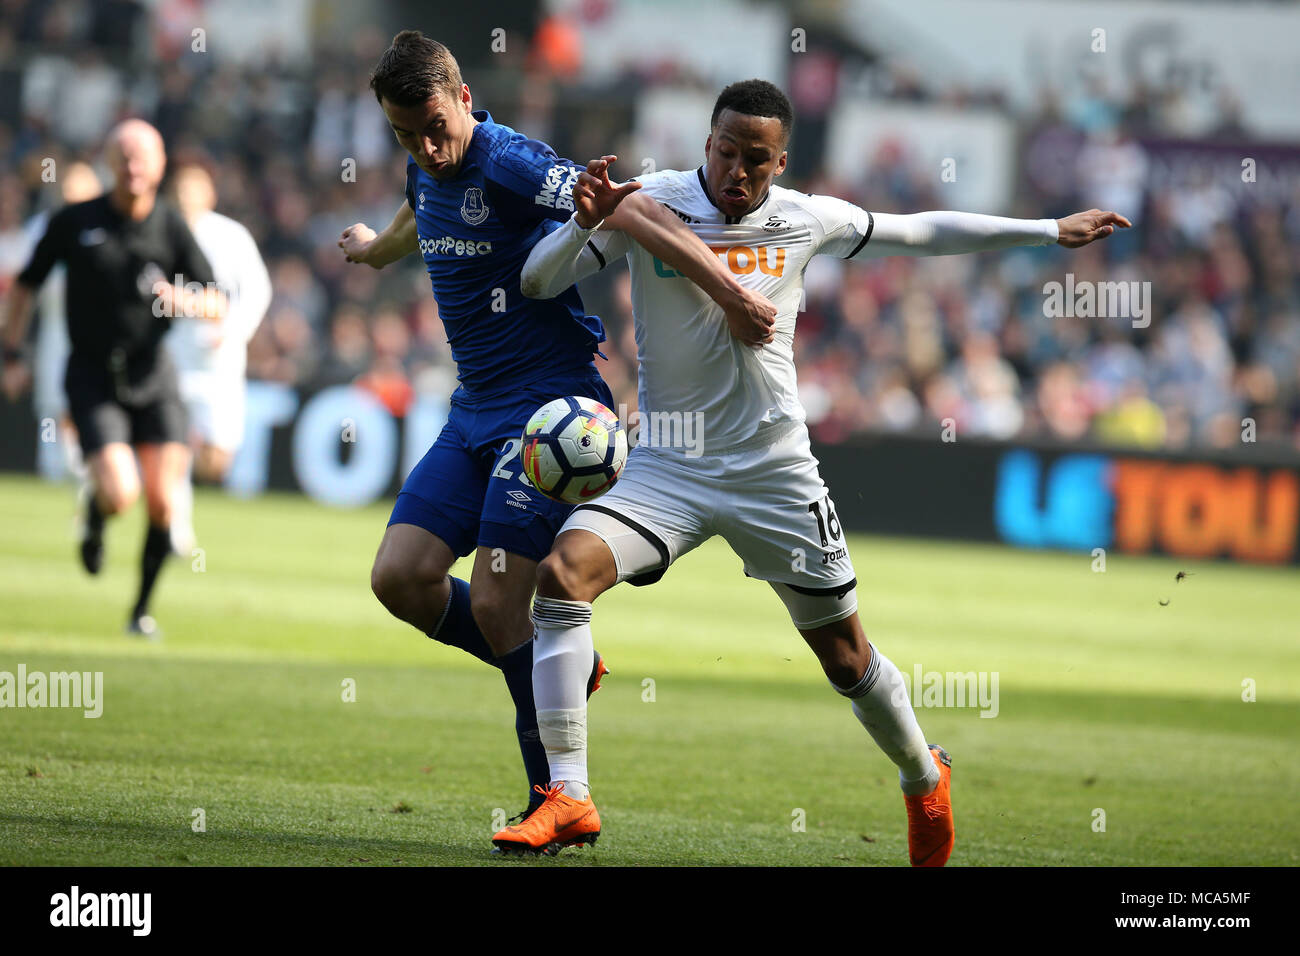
360,243
947,233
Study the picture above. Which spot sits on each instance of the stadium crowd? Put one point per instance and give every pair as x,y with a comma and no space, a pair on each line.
301,151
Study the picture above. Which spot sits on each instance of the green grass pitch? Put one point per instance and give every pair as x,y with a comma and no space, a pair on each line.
1107,701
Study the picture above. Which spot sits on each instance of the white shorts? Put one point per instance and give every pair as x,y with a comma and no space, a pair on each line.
216,407
769,503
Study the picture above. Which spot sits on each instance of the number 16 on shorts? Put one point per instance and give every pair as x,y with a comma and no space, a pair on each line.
828,529
827,521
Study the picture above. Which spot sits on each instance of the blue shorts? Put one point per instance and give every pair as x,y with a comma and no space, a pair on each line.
469,489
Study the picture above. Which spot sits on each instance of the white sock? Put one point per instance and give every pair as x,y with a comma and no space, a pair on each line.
561,667
575,789
881,705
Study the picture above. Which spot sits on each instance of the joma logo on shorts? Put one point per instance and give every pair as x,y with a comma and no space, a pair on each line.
741,260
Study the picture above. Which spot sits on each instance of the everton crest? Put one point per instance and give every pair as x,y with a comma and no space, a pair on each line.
473,210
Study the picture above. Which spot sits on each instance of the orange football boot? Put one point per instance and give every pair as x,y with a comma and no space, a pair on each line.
559,822
930,834
598,671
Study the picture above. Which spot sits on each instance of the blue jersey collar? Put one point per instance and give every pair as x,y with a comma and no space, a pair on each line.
483,116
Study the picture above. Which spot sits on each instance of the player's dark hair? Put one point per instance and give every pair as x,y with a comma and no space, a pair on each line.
755,98
413,69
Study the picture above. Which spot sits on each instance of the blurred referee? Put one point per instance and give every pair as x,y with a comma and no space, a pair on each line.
124,251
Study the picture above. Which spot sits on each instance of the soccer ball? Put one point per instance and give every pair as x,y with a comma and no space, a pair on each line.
574,449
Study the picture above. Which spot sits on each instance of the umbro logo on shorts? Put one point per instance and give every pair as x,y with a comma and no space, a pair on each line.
519,498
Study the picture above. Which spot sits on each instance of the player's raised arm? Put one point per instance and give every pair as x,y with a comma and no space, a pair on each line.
362,244
750,316
948,233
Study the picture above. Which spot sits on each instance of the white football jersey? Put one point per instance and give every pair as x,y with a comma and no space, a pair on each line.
689,361
220,350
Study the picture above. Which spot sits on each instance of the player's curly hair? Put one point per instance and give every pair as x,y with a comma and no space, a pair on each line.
413,69
755,98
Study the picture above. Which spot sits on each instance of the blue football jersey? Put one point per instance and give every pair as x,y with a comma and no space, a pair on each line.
476,232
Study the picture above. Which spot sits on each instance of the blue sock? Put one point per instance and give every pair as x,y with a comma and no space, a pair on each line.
457,627
517,666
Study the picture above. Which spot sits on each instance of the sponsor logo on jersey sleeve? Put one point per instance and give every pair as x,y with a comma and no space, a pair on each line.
557,188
